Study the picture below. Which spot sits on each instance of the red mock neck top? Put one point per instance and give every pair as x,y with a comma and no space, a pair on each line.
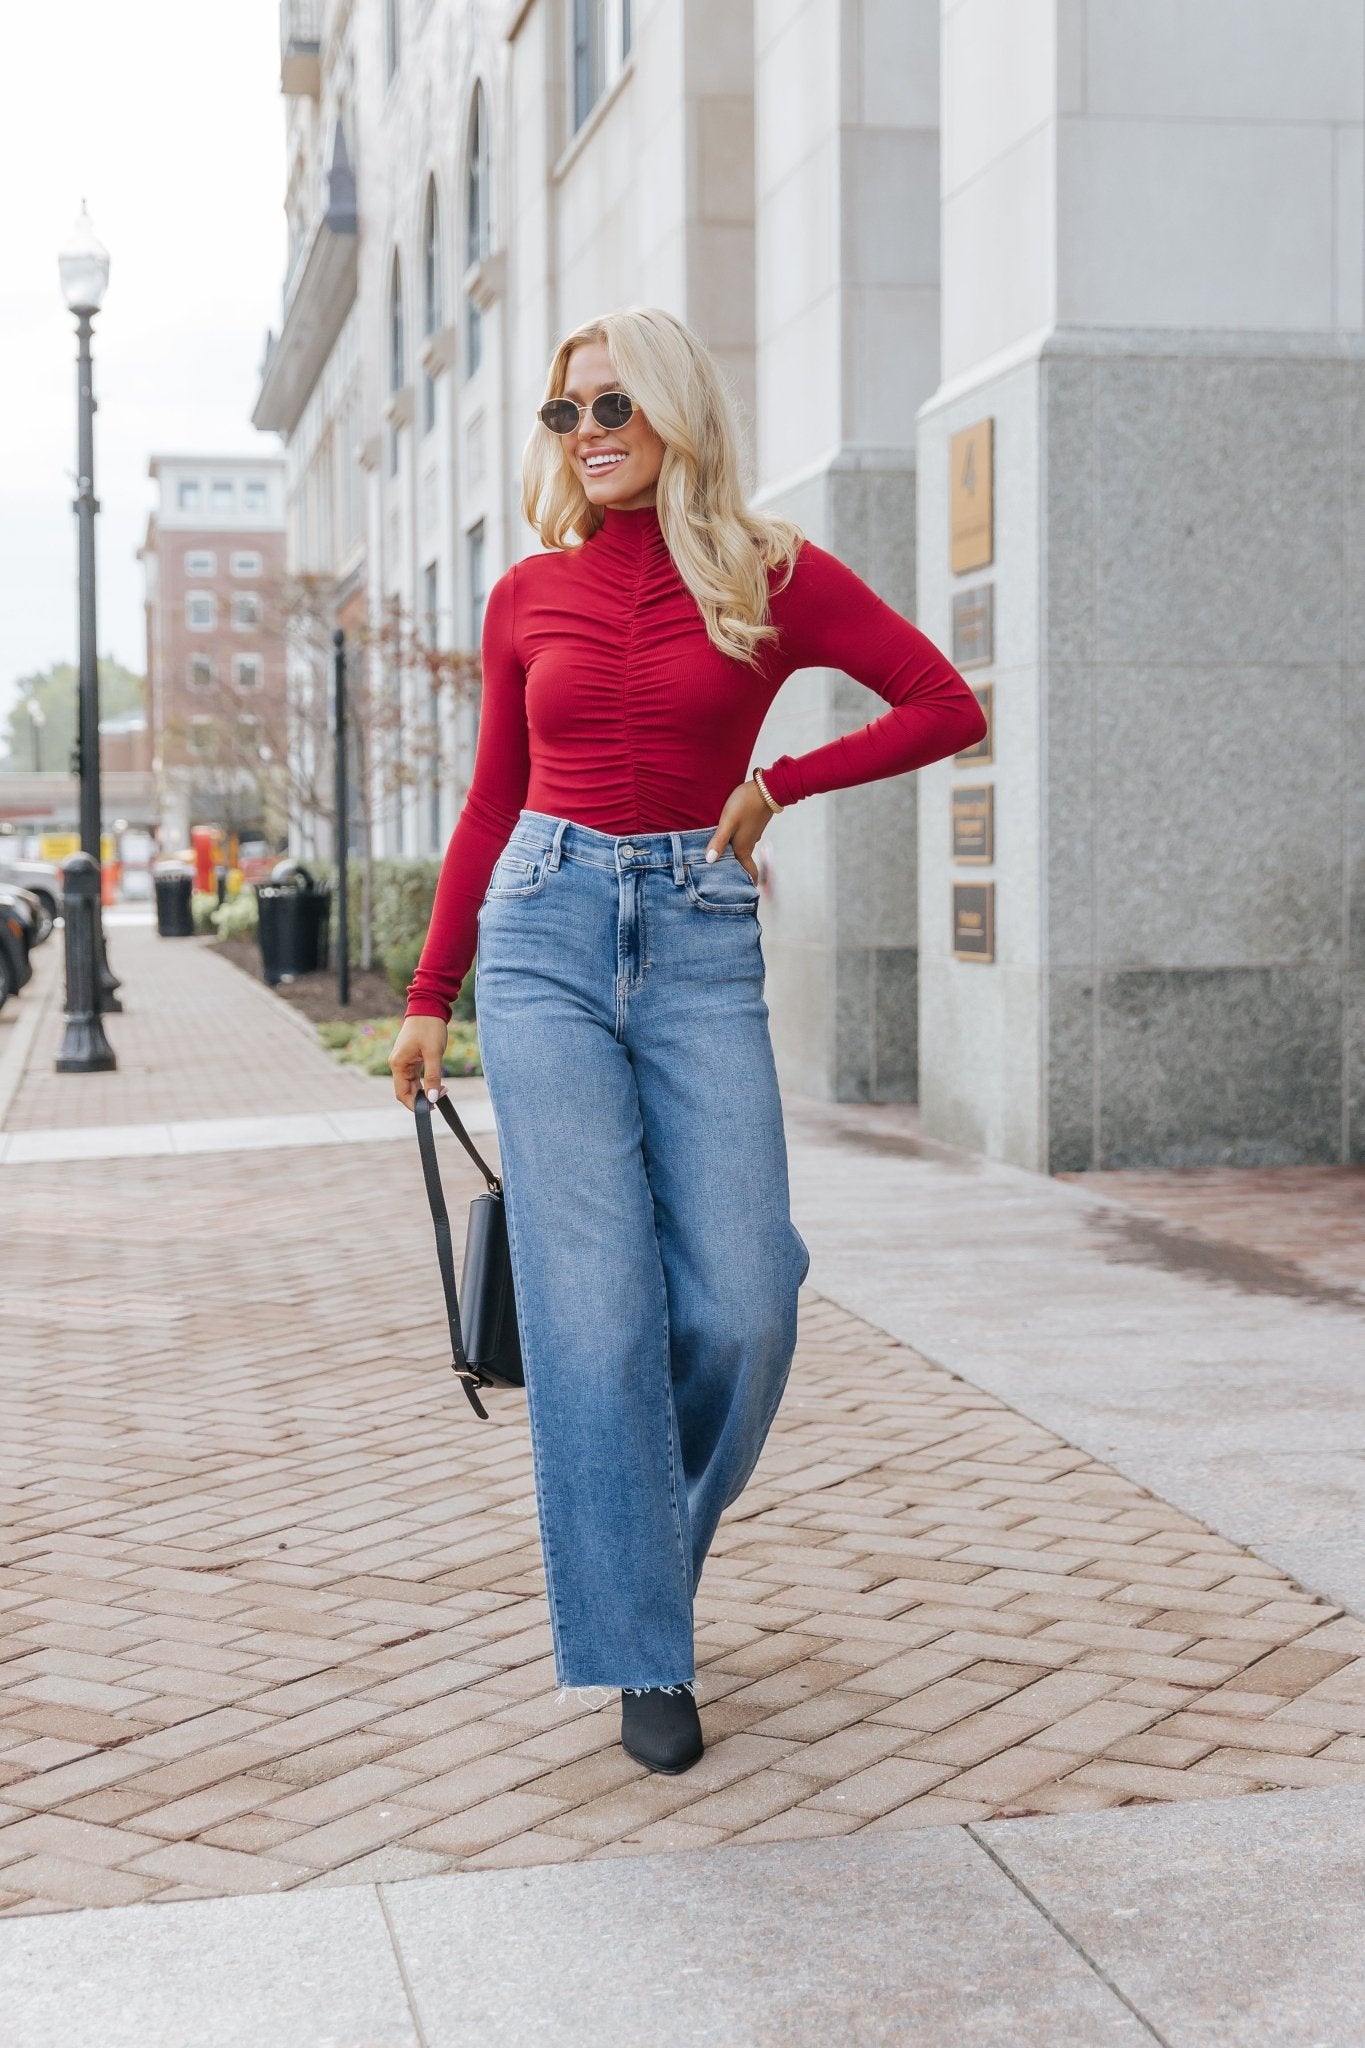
605,702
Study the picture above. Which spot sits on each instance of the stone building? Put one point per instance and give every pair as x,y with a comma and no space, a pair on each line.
213,565
1046,316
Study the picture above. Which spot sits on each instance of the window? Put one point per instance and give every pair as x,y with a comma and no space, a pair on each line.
398,356
397,340
246,611
201,562
201,672
589,52
602,36
248,563
222,494
430,611
478,217
393,39
431,632
201,734
201,611
431,297
188,497
254,495
247,671
478,587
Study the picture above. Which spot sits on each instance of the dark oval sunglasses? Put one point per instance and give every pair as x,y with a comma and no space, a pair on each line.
610,409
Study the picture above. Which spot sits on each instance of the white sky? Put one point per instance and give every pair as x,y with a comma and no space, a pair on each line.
166,117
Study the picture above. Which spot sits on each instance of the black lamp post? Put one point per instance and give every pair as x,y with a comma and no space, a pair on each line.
37,719
84,269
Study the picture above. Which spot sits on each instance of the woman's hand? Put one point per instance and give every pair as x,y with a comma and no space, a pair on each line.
416,1058
742,824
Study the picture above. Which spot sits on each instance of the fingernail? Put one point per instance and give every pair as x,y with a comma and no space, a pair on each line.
711,853
434,1094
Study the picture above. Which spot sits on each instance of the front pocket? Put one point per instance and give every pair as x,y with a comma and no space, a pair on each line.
723,887
514,875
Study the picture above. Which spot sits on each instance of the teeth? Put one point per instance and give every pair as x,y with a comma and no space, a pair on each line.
604,461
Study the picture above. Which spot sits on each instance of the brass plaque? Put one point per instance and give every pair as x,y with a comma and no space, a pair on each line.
974,824
973,920
972,498
984,750
974,627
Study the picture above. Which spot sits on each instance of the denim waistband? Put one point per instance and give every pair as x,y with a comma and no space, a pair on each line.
619,852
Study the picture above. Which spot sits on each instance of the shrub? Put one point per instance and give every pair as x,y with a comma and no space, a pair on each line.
404,891
203,905
400,964
367,1045
237,918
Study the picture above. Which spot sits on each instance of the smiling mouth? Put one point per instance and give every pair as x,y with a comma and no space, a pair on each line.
598,465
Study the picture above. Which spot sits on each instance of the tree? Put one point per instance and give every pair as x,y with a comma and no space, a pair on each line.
400,691
54,690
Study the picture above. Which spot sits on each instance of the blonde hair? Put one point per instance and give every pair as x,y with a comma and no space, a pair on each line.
721,549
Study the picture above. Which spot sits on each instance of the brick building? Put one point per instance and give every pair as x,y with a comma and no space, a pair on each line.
214,559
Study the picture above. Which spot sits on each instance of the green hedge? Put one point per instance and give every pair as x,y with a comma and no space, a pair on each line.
404,891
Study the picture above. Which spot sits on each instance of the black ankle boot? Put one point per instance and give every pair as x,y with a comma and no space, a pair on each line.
661,1729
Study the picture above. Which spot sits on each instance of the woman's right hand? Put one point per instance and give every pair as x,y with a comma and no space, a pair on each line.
416,1058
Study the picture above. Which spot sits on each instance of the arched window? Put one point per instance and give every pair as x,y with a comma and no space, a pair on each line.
397,344
478,216
433,311
398,354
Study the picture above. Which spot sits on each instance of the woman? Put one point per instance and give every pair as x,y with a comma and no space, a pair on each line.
604,864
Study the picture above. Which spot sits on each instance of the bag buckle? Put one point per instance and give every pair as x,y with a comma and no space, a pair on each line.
473,1379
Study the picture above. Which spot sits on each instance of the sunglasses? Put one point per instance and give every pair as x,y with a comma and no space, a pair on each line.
610,409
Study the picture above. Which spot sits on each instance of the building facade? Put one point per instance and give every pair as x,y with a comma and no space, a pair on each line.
214,567
1045,315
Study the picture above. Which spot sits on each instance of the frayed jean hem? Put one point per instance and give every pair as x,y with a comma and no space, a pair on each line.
595,1697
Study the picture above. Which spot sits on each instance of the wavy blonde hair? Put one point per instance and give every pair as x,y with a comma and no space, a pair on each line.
721,549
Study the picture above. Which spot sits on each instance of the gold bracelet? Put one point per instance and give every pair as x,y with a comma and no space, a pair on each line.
770,801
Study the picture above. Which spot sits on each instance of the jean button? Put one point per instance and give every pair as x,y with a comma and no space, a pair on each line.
627,852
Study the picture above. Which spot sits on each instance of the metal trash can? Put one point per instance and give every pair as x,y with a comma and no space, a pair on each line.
174,916
294,919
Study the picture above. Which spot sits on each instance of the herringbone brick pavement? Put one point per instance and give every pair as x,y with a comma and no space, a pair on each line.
271,1609
197,1038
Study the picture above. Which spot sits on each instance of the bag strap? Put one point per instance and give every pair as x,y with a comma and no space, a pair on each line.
469,1375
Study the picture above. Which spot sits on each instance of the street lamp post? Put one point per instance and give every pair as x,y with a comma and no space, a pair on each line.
342,834
84,269
37,719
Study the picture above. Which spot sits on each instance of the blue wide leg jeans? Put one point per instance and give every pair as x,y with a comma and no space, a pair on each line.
624,1036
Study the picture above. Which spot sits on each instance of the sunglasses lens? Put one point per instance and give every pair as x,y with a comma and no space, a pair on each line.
560,415
612,410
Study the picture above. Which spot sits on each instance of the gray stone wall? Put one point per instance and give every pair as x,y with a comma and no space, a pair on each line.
1194,779
1204,608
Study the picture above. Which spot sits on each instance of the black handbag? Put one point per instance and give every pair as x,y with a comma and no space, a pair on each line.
485,1344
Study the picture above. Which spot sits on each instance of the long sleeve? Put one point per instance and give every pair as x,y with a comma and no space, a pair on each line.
497,792
829,618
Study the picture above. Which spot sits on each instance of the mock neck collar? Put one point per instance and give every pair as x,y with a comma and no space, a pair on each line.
635,527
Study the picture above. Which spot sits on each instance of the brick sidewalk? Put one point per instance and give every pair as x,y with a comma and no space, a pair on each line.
272,1607
197,1038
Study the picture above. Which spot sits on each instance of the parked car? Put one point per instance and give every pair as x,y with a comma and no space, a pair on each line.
43,877
37,907
18,923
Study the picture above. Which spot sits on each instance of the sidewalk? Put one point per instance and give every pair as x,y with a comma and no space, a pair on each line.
197,1039
271,1619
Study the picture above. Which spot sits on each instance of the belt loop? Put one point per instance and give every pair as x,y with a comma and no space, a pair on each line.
560,829
678,876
